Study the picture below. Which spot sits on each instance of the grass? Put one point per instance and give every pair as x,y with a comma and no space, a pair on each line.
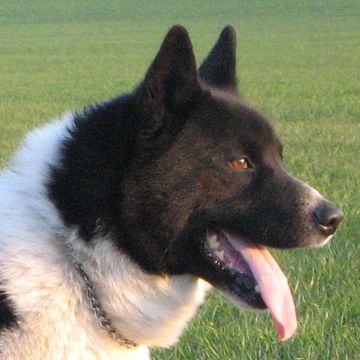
298,61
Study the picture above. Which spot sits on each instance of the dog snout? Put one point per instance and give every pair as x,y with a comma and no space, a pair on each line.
327,217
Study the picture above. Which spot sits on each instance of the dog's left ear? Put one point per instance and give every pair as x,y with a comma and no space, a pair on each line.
219,68
171,85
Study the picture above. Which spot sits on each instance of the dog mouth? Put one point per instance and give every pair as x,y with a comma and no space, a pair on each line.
252,277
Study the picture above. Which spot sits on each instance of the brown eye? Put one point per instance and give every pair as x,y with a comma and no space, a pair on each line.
240,164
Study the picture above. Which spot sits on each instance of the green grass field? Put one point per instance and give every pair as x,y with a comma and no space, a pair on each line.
298,61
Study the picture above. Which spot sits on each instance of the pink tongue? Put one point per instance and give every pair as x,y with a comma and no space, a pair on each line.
273,285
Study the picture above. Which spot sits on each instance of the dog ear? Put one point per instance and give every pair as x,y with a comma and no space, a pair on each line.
219,68
170,85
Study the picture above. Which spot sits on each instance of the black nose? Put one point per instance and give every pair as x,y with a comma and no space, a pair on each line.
328,217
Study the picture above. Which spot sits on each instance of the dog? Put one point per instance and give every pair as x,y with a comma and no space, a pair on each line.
117,220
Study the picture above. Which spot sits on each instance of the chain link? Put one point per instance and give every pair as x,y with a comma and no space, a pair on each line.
95,306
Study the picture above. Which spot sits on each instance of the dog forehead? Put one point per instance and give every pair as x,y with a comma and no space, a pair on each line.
228,119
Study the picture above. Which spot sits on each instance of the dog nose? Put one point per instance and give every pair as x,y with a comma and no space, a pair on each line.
328,217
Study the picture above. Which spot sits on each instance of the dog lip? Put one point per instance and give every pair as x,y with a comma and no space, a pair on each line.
240,282
223,252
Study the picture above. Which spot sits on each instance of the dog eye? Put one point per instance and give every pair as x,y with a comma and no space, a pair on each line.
241,164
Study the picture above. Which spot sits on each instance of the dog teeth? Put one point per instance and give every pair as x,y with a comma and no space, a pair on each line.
220,255
213,242
230,265
257,289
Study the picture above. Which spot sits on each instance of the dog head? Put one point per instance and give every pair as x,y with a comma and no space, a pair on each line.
188,178
207,189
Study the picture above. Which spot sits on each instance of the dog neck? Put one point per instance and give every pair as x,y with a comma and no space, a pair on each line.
95,306
146,309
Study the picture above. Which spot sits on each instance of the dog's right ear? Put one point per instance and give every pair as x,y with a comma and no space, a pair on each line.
170,85
219,68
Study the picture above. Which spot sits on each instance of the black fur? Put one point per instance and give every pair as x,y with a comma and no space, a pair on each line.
95,159
8,317
153,168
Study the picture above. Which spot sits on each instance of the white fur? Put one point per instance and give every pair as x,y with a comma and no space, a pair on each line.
37,274
325,242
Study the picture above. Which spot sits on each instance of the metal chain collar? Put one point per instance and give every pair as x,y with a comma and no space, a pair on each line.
94,303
